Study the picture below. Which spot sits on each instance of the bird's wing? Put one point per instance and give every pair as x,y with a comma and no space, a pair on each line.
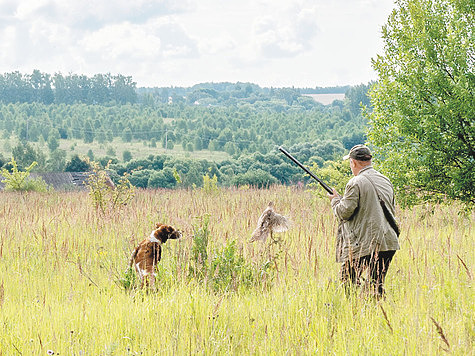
259,234
279,223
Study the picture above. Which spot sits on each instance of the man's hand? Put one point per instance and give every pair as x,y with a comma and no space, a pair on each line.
334,195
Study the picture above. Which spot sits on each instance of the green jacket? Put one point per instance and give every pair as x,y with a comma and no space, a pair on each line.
363,228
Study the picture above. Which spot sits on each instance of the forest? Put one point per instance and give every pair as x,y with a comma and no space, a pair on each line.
241,120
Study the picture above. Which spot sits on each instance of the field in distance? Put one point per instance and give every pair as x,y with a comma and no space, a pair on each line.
138,149
326,99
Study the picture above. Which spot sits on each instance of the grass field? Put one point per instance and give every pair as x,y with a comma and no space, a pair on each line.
136,148
60,263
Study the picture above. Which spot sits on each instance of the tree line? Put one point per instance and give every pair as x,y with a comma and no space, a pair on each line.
239,129
38,87
243,120
168,171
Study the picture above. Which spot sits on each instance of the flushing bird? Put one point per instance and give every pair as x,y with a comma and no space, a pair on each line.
269,222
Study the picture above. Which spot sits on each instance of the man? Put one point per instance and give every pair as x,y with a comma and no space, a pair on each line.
365,238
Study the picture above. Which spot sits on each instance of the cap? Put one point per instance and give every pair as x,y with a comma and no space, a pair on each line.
360,153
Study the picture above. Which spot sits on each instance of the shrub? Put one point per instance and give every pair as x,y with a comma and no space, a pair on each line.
210,185
106,196
129,279
16,180
257,178
126,156
229,270
199,250
223,269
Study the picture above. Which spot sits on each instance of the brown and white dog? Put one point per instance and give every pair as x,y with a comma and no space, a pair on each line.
149,252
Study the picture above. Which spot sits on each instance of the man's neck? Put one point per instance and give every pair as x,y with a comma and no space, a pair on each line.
362,167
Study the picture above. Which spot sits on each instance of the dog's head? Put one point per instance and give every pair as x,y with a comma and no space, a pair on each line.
164,232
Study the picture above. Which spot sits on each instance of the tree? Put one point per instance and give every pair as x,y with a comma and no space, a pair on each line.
77,165
422,123
127,135
88,132
90,155
53,142
56,161
17,180
126,156
25,154
256,178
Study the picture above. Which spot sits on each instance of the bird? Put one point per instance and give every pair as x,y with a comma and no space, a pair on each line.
269,222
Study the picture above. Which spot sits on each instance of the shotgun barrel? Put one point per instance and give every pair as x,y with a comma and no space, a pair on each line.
322,183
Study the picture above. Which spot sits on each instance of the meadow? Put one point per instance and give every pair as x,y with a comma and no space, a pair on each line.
63,279
138,149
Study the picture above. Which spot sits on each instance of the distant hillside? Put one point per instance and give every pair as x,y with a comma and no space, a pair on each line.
231,129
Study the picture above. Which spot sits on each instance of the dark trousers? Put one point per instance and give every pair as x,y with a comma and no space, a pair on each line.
377,263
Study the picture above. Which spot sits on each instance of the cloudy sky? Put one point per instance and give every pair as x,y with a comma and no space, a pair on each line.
301,43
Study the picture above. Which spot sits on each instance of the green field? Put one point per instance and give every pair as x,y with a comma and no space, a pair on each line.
139,150
60,263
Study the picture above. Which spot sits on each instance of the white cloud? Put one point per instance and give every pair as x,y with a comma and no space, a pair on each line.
115,41
178,42
287,31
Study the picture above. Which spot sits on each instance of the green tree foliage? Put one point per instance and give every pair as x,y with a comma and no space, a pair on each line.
240,120
127,135
25,154
88,132
106,197
76,164
126,156
163,179
257,178
56,161
422,122
335,173
53,142
16,87
18,180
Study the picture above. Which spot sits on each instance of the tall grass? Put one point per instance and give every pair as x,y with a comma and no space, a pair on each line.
60,264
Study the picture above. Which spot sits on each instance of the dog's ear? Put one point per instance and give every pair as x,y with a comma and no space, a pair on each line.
158,225
162,232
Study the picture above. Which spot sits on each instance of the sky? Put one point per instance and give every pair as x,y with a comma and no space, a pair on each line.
278,43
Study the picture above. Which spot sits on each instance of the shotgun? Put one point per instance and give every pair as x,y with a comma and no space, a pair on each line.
322,183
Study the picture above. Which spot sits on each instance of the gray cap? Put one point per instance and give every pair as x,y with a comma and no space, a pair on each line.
360,153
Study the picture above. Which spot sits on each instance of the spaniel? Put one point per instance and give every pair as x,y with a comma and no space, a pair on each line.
149,252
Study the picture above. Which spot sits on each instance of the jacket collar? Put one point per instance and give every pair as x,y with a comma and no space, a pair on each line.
365,169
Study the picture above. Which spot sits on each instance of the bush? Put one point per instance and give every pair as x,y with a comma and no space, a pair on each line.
225,270
16,180
210,185
126,156
229,270
77,165
163,179
106,196
199,250
257,178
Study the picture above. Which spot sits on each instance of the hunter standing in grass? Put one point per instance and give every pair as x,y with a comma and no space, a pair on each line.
365,238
